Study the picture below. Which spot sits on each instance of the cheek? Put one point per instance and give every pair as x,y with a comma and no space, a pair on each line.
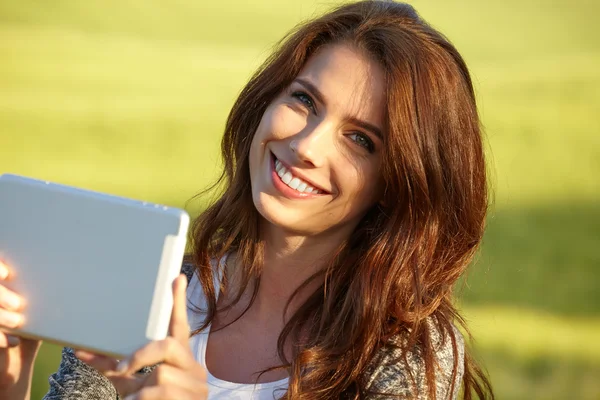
277,123
263,134
281,122
359,182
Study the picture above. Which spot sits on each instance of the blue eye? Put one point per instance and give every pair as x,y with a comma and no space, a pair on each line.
306,100
362,140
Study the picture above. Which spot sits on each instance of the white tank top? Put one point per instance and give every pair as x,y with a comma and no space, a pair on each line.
217,388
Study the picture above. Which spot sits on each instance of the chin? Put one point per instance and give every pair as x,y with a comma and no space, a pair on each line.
286,218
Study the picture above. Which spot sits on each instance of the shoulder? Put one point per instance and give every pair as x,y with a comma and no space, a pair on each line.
395,371
217,265
188,270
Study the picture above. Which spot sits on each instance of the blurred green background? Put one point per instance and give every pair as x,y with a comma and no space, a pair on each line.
130,97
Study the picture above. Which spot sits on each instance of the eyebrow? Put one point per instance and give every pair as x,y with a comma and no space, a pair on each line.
367,126
355,121
312,88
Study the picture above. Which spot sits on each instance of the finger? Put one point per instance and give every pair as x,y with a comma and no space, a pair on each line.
97,361
9,299
167,375
163,375
126,384
166,393
84,355
169,351
10,319
5,272
179,327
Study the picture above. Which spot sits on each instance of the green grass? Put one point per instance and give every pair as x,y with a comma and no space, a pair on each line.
542,257
130,98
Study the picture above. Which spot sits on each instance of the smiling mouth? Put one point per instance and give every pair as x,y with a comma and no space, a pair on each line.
292,181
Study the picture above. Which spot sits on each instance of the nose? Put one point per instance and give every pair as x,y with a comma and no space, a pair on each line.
311,145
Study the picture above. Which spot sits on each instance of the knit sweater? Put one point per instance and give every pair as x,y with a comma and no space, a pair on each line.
387,375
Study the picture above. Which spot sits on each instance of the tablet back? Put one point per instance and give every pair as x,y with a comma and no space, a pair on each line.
96,270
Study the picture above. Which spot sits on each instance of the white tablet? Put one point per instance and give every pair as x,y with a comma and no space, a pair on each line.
96,270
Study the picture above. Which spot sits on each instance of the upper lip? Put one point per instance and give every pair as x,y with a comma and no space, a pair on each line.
296,172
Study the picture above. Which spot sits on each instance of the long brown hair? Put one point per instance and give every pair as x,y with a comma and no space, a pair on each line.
397,270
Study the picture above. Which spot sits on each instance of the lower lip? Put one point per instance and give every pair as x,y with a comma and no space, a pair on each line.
285,189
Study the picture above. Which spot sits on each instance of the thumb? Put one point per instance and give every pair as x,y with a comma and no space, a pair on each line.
179,327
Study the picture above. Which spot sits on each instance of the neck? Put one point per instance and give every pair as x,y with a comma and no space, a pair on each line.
289,260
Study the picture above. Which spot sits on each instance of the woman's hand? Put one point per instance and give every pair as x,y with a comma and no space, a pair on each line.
178,377
17,355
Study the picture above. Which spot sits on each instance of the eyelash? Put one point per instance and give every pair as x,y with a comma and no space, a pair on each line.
305,99
367,144
308,102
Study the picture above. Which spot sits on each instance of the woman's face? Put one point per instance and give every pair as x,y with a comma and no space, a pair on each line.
315,159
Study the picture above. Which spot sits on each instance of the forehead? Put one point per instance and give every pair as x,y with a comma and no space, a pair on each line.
350,81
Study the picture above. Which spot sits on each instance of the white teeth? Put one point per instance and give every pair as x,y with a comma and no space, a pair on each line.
287,177
292,181
302,186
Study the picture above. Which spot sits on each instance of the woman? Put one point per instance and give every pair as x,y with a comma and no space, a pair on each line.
354,198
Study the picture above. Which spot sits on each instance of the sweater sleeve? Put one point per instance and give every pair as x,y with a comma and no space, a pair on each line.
389,377
77,380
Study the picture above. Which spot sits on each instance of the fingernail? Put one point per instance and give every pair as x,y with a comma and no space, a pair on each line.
12,340
3,271
13,302
122,367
